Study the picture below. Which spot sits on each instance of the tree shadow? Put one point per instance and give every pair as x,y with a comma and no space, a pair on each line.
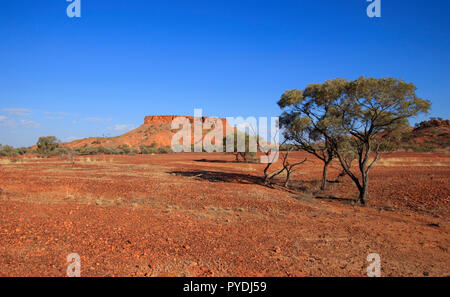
216,161
334,182
217,176
226,161
339,199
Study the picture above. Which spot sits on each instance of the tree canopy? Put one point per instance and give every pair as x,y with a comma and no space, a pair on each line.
340,116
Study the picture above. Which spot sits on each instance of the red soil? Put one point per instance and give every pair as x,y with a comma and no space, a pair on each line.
434,134
204,215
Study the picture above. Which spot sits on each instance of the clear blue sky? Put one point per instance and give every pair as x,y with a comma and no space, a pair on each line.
123,60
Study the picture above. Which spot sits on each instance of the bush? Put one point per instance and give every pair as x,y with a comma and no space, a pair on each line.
23,150
125,148
148,149
60,151
47,145
122,150
247,156
289,147
164,150
8,151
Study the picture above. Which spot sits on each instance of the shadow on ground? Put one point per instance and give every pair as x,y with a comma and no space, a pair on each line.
217,176
225,161
333,198
215,161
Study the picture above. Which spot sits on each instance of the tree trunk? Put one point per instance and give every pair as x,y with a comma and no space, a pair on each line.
340,176
364,191
323,186
288,175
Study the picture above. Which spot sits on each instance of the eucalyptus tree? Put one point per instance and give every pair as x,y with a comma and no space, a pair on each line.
47,145
308,121
369,112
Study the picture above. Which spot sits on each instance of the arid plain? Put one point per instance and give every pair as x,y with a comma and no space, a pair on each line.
202,214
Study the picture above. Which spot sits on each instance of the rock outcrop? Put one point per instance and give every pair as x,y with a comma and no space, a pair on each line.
155,130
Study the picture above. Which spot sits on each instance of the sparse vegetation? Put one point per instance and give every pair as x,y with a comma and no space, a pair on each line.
308,120
368,108
353,120
8,151
241,150
47,145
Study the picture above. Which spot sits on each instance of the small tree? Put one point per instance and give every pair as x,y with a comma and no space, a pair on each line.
271,155
8,151
370,108
308,122
290,167
247,155
47,145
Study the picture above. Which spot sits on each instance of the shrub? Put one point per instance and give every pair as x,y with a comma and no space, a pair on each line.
148,149
85,150
116,151
125,148
46,145
122,150
23,150
247,155
8,151
60,151
164,150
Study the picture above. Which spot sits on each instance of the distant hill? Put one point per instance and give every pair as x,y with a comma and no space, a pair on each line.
432,135
156,130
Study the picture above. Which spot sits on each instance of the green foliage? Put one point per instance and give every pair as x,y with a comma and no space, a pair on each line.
349,118
8,151
125,148
289,147
244,150
164,150
419,147
86,151
23,150
433,122
62,150
309,121
121,150
149,149
47,145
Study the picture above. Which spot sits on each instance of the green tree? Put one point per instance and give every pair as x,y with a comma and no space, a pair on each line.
8,151
47,145
308,122
371,108
247,154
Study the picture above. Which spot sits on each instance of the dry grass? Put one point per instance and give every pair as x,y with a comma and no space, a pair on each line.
392,162
92,160
5,161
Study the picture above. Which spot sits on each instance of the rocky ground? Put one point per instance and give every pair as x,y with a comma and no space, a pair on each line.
204,215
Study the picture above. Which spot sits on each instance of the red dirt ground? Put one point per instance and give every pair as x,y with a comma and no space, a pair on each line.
204,215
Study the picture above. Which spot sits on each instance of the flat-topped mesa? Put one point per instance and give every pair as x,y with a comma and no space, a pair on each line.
167,119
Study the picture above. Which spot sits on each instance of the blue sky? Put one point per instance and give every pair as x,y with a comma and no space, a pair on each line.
103,73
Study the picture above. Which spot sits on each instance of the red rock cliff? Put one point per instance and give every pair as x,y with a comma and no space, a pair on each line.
167,119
